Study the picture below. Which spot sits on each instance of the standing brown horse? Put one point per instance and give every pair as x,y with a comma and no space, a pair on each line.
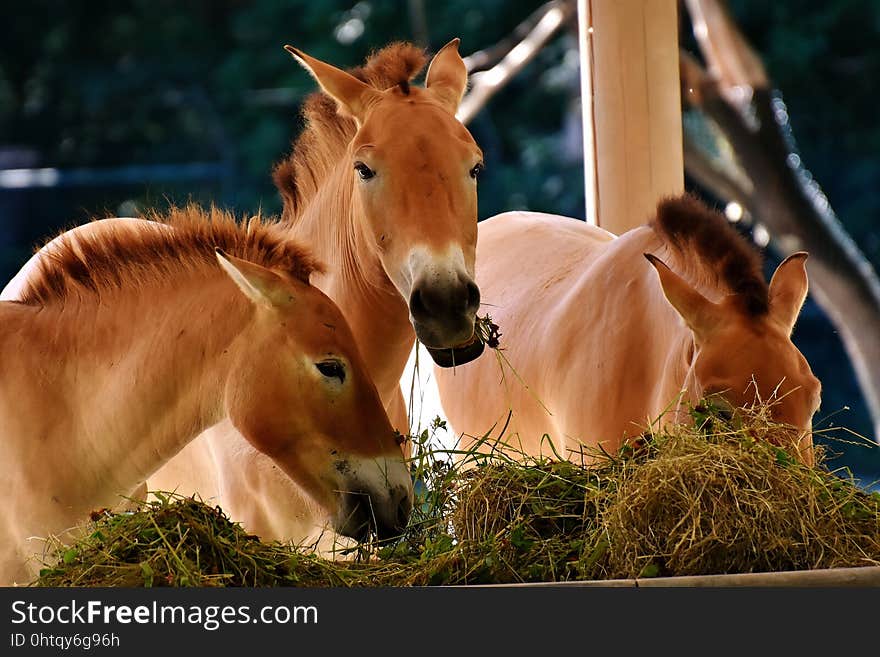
126,344
607,340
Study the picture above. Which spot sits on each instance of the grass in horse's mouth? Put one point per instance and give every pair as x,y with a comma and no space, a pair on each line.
485,334
719,498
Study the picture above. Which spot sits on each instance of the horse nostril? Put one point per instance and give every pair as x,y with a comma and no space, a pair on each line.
358,516
473,296
428,302
404,508
417,304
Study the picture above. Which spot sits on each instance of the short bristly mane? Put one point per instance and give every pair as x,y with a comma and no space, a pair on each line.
113,259
326,133
724,259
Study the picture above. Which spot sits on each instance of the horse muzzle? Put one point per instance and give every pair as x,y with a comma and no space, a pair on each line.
361,515
460,354
443,314
373,496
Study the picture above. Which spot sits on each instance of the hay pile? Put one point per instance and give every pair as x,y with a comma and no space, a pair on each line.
705,499
175,541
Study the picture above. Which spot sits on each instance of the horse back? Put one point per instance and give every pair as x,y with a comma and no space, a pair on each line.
584,331
527,263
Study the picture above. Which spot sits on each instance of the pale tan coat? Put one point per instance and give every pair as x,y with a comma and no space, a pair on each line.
595,351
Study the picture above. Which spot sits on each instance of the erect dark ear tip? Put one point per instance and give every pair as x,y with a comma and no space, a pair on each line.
654,260
220,252
799,256
451,45
293,51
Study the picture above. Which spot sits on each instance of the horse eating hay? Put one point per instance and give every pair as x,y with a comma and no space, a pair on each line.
606,341
126,344
381,184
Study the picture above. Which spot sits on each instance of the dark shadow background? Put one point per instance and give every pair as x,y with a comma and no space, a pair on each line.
110,108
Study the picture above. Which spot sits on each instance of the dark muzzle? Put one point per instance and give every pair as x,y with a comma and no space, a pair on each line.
460,354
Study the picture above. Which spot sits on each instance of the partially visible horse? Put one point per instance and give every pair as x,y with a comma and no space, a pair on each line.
608,331
128,342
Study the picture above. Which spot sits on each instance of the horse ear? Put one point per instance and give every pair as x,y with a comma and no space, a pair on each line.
351,95
259,284
700,314
447,75
788,289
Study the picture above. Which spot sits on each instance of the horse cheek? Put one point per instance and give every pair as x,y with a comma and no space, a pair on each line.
255,412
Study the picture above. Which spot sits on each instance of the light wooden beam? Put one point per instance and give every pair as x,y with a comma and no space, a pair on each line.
632,108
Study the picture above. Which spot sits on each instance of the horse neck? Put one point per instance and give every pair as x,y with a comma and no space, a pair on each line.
638,310
333,227
148,376
675,385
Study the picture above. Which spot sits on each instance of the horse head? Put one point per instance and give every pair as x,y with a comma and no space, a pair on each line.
745,358
414,170
299,393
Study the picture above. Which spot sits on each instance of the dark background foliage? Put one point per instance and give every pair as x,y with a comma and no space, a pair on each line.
133,104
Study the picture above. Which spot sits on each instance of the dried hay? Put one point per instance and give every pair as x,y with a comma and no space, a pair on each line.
709,498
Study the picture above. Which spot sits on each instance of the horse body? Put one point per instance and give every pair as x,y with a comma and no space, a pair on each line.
125,348
73,441
604,342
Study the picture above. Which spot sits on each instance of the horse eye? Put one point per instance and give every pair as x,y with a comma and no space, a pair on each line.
364,171
332,369
477,170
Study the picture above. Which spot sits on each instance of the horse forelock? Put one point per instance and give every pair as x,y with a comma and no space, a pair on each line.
109,260
389,67
724,258
326,133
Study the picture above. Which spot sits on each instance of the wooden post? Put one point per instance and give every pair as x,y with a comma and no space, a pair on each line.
632,109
